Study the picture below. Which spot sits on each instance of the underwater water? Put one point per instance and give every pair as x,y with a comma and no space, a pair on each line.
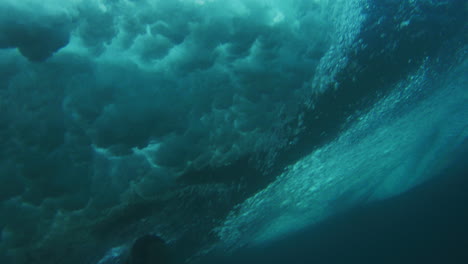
424,225
234,131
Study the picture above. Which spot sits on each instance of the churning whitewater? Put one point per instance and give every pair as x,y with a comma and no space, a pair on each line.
148,131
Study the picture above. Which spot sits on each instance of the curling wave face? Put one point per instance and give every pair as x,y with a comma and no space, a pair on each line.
215,124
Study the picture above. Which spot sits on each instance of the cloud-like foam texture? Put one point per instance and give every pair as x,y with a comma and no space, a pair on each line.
117,97
37,28
215,74
115,113
189,83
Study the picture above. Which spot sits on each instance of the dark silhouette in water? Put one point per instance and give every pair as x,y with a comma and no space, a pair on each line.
150,249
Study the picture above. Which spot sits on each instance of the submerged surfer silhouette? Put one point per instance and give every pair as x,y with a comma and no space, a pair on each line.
150,249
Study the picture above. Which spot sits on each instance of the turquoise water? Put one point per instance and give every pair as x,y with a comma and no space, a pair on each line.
202,128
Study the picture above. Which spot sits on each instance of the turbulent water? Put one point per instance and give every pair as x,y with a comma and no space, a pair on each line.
218,127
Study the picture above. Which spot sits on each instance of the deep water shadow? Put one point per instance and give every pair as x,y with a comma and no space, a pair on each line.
150,249
428,224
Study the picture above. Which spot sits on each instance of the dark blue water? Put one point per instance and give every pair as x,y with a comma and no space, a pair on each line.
427,224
